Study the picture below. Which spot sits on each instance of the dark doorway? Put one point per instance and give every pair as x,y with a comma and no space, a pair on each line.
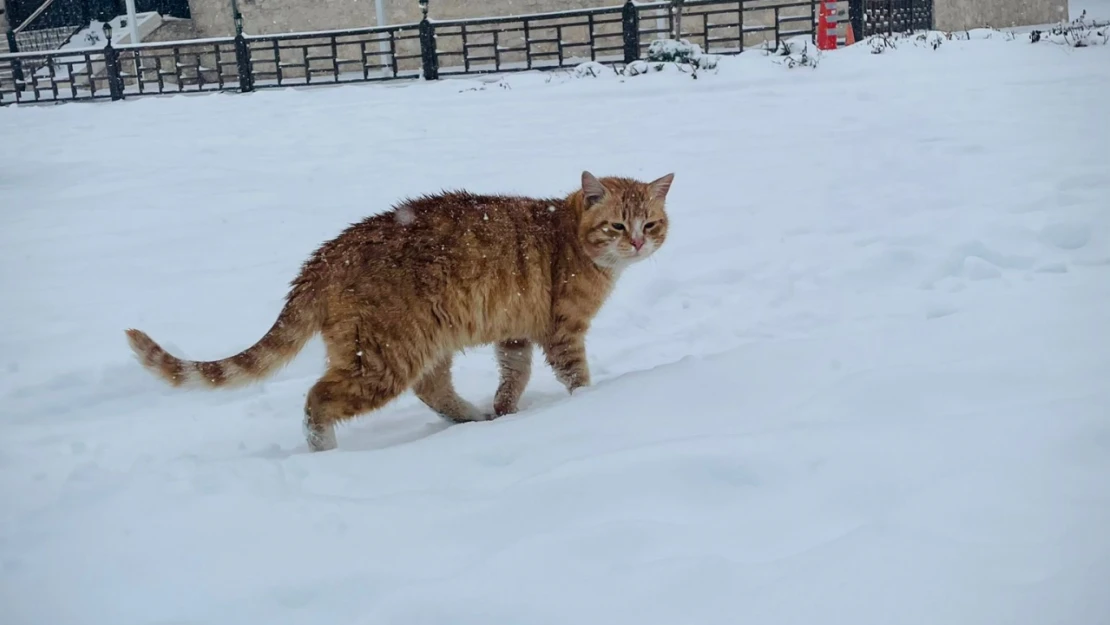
80,12
60,13
54,26
171,8
876,17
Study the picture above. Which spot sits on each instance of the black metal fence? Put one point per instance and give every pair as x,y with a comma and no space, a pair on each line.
335,57
430,49
539,41
876,17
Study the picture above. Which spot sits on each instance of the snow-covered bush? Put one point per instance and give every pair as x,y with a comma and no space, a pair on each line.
681,52
882,42
635,68
592,69
673,51
792,56
1079,33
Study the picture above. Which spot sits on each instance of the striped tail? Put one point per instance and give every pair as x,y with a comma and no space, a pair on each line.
293,328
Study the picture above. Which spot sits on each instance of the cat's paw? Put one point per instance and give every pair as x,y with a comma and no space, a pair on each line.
502,408
467,413
576,385
320,438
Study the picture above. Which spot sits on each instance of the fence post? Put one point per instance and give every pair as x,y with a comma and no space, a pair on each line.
676,18
243,64
816,21
630,31
428,57
242,57
112,66
17,65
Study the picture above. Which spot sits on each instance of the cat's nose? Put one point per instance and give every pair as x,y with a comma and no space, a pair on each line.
637,243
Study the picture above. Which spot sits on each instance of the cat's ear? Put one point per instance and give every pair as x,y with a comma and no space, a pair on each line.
660,187
592,190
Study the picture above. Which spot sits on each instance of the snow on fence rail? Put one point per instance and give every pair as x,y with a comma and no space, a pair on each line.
428,49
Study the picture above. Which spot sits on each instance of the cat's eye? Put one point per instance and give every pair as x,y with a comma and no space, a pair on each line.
617,227
649,225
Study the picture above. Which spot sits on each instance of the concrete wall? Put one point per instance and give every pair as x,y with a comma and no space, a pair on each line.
266,17
950,15
173,29
402,11
263,17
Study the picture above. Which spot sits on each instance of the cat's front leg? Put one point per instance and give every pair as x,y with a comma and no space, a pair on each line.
565,350
514,362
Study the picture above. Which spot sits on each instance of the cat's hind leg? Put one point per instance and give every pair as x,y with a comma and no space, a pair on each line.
339,396
361,377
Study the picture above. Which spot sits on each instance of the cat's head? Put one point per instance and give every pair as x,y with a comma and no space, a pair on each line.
623,221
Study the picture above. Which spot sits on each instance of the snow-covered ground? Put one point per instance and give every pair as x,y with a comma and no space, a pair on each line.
864,382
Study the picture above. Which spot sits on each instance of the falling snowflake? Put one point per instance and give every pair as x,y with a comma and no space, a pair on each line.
404,215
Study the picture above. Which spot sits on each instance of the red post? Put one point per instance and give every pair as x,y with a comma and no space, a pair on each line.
826,25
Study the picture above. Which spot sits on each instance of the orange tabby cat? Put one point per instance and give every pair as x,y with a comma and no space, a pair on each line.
397,294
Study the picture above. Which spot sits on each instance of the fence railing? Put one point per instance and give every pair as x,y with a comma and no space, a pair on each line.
331,57
430,49
730,26
537,41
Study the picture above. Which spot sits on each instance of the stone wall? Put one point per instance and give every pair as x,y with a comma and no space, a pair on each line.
267,17
950,15
213,18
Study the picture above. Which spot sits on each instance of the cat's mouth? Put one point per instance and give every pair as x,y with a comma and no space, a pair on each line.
618,259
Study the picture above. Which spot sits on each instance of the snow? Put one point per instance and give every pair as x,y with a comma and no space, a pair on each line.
864,381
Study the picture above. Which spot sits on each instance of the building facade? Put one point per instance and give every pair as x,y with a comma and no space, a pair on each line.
952,15
261,17
213,18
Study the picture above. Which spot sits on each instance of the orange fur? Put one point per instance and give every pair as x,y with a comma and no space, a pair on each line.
396,295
